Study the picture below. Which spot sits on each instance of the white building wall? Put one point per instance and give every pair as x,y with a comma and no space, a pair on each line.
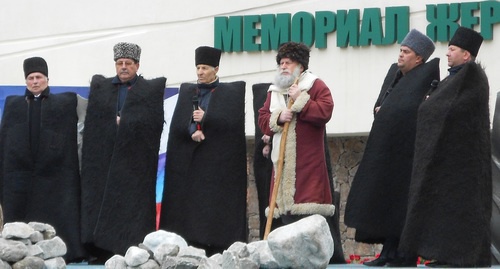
76,39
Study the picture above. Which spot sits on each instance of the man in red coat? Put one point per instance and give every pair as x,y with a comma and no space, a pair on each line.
304,188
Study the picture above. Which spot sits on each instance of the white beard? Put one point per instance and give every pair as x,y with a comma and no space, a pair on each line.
284,80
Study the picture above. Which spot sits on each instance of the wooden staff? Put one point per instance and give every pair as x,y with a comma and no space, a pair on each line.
277,177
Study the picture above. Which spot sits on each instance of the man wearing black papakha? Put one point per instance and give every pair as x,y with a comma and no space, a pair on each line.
378,198
449,206
120,157
204,196
39,168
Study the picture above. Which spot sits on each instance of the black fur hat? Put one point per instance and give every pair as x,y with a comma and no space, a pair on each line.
298,52
467,39
35,64
207,55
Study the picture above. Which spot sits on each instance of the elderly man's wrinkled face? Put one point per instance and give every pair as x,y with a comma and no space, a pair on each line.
36,83
288,70
126,69
206,73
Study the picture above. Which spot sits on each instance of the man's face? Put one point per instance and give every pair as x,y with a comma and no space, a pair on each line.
408,59
126,69
206,73
36,83
288,70
456,56
288,66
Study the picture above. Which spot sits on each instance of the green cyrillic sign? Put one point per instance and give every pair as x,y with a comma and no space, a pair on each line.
266,32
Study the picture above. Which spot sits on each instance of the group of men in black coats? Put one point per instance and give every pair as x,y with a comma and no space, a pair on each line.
100,194
423,186
107,204
97,188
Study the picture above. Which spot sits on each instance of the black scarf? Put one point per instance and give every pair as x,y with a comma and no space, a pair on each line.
35,117
209,86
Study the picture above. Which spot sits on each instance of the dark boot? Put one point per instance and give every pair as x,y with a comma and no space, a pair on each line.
378,262
388,253
403,262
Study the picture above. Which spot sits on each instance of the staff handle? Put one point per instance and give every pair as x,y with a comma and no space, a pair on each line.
277,178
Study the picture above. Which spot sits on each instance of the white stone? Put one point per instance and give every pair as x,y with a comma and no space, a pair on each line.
192,252
306,243
157,238
52,248
116,262
4,265
207,263
12,251
29,262
247,263
47,230
165,250
136,256
35,250
217,257
36,237
55,263
150,264
240,249
17,230
260,252
230,260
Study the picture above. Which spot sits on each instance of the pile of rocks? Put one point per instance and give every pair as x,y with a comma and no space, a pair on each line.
306,243
31,245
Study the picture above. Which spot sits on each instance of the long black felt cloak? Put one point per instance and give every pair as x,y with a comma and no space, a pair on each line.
43,188
450,195
376,205
263,167
119,163
495,179
204,196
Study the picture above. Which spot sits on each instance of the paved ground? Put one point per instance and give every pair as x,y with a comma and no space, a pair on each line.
366,267
350,266
84,266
